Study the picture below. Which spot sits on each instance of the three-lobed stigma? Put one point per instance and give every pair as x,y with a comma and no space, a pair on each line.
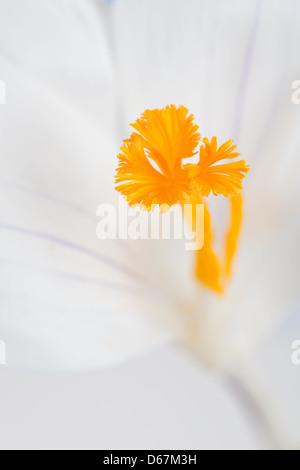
154,171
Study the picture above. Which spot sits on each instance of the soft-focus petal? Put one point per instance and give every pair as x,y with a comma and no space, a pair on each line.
190,53
68,300
232,64
271,376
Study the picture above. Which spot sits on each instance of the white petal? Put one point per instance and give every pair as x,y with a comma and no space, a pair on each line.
189,53
159,401
272,378
232,64
68,300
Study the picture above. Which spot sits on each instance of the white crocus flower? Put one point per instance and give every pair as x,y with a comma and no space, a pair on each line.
76,74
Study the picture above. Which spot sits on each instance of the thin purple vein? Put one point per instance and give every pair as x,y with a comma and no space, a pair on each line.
54,199
73,246
241,95
76,207
76,277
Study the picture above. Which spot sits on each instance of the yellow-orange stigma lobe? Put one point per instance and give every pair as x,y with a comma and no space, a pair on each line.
165,137
225,179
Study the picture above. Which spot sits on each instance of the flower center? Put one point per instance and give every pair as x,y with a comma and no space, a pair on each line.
167,137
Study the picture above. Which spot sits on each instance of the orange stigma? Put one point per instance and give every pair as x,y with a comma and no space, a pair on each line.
153,171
